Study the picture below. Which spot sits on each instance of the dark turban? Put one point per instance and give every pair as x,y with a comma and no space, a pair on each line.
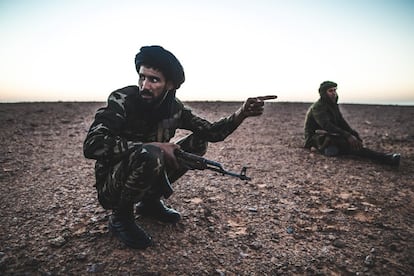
158,58
325,86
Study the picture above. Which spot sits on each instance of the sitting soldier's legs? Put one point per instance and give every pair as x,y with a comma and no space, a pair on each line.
330,145
334,145
392,159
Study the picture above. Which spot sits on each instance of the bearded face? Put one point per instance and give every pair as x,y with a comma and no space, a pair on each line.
331,93
152,85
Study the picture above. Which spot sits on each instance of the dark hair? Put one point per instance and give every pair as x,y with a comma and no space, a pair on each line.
158,58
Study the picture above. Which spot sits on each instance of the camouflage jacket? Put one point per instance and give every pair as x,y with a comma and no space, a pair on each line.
124,125
325,115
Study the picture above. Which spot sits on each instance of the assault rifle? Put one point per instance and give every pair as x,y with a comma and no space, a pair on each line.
194,162
326,133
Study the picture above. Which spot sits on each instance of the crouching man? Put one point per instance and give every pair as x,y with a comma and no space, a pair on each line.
129,139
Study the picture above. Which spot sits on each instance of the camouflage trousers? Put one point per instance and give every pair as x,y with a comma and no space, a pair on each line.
142,174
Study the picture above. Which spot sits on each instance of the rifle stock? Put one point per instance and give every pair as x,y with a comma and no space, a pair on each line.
192,161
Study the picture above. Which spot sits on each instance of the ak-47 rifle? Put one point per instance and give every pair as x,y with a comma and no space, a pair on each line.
326,133
194,162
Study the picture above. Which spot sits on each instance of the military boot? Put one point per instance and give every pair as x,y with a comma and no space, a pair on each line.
155,208
392,159
122,224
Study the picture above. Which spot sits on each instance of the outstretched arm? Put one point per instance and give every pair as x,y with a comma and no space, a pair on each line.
219,130
252,107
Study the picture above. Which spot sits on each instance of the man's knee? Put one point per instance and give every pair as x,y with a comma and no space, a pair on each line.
153,157
331,146
144,166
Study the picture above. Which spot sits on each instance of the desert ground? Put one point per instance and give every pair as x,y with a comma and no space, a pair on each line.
301,214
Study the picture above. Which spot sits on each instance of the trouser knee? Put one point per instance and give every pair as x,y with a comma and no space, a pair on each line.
145,173
325,143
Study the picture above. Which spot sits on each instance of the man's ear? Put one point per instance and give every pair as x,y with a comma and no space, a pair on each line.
170,85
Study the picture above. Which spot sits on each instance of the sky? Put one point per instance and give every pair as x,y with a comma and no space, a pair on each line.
81,50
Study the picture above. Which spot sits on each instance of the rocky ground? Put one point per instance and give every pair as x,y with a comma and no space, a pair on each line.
301,214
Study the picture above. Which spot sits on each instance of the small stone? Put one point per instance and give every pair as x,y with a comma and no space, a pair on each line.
57,242
351,209
331,237
81,256
338,243
275,237
369,261
252,209
220,272
95,268
243,255
255,246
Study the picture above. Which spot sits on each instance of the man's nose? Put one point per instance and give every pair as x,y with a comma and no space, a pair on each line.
145,84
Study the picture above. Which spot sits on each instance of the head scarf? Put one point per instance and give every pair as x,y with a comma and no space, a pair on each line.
325,86
158,58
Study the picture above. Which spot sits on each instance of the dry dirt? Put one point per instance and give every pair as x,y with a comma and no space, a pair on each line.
301,214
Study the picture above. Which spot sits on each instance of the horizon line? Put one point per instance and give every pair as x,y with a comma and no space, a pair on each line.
409,103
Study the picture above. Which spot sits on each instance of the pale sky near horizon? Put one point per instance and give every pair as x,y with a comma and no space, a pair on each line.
83,50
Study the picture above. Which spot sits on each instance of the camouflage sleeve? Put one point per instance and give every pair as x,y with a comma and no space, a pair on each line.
103,141
212,132
325,120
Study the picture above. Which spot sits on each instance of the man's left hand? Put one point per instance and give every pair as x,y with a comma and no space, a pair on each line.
354,142
255,106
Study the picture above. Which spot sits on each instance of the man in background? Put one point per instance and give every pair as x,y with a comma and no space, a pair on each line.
327,131
129,139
